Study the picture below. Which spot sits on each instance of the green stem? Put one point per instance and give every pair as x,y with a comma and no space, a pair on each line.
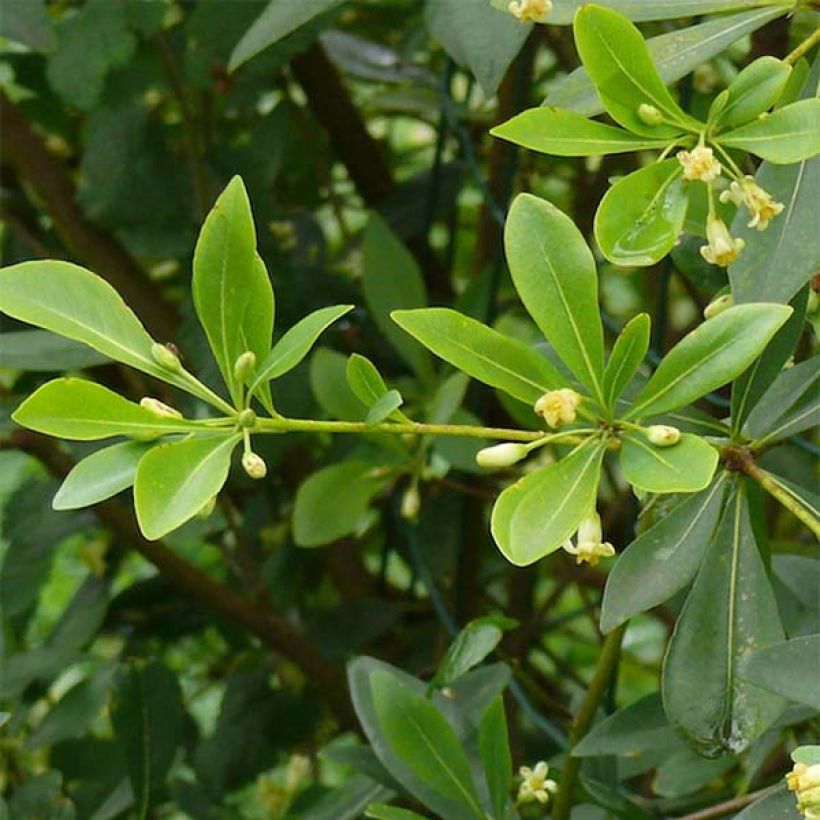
786,499
805,46
607,661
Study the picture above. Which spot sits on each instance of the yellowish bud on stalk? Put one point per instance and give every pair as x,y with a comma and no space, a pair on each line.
207,508
760,204
244,367
254,465
649,114
557,407
411,503
717,306
589,546
247,418
501,455
722,249
662,435
165,357
160,408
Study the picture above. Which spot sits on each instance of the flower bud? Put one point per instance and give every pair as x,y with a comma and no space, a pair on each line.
244,367
247,418
254,465
411,503
662,435
718,305
558,407
501,455
649,114
159,408
165,357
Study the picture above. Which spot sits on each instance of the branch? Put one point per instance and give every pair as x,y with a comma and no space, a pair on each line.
729,806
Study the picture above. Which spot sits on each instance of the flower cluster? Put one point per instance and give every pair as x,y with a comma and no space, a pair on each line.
558,407
804,781
535,785
589,546
530,11
758,202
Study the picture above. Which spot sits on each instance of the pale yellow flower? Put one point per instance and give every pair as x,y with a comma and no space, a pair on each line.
722,248
699,163
530,11
589,546
535,784
558,407
804,781
759,203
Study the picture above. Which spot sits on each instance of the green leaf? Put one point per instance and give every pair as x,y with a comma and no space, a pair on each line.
257,323
788,669
368,385
615,56
496,758
469,648
175,480
226,275
296,343
422,738
755,90
686,467
147,716
84,411
779,805
380,811
806,754
790,134
276,22
392,281
714,353
554,273
100,476
662,560
563,133
481,352
42,351
730,613
28,23
537,514
328,381
384,407
334,502
626,357
641,216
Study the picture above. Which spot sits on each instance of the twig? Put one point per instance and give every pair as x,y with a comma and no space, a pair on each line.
728,806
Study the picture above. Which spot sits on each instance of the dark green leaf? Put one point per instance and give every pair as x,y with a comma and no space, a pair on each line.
43,351
626,357
791,669
469,648
494,749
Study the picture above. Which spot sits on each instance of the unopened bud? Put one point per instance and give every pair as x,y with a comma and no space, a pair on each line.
254,465
649,114
245,366
247,418
717,306
207,508
160,408
662,435
411,503
165,357
501,455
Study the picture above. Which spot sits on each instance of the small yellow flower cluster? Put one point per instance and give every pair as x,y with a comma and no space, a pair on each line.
558,407
759,203
699,163
589,546
804,781
535,785
530,11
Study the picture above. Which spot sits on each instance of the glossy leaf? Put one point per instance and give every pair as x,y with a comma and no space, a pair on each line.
258,321
84,411
686,467
100,476
755,90
554,273
662,560
641,216
714,353
174,481
626,357
368,385
730,614
790,134
563,133
481,352
494,750
789,669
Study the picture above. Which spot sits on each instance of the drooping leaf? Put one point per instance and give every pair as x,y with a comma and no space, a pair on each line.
626,357
686,467
790,669
755,90
496,758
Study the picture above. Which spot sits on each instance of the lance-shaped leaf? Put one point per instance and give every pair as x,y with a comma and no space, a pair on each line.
257,323
755,90
554,273
99,476
84,411
641,216
615,56
790,134
662,560
626,357
790,669
686,467
711,355
564,133
226,274
470,647
537,514
296,343
481,352
730,614
496,758
176,480
368,385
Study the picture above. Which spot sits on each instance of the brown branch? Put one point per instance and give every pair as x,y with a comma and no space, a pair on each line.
729,806
50,182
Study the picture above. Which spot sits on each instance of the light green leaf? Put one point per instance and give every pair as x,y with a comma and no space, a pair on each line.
789,669
626,357
380,811
641,216
257,323
790,134
714,353
481,352
42,351
730,614
496,758
296,343
554,273
563,133
686,467
368,385
662,560
226,274
384,407
615,56
328,381
755,90
808,754
537,514
84,411
469,648
175,480
99,476
422,738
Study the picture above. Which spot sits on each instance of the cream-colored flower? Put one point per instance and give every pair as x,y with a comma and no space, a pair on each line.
530,11
501,455
159,408
804,781
662,435
589,546
718,305
699,163
759,203
254,465
558,407
411,503
722,248
535,784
